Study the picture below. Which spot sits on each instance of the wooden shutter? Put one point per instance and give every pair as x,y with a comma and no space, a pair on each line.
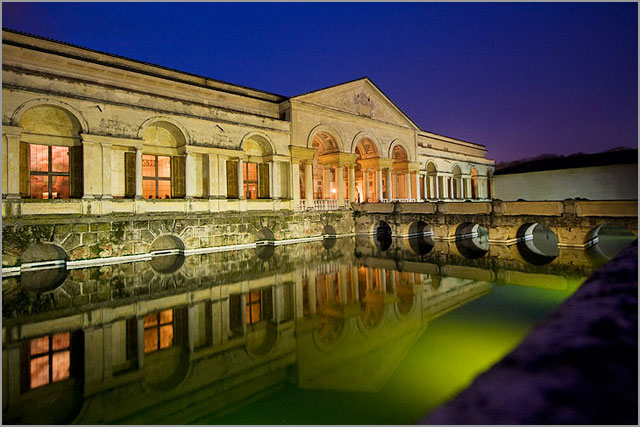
267,303
263,180
232,179
75,170
178,188
235,314
25,166
132,338
129,174
180,325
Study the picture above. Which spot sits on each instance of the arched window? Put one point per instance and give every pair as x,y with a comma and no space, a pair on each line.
50,154
255,170
163,167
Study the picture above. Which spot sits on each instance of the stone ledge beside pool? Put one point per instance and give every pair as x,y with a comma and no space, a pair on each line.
579,366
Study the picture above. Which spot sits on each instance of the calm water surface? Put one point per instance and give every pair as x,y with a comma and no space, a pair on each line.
343,331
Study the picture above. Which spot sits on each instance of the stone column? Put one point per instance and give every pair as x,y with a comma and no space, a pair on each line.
352,183
243,313
425,183
189,176
295,184
340,179
312,291
354,284
213,175
326,182
241,195
222,176
468,193
408,180
91,176
274,180
379,176
389,185
138,173
417,175
365,179
308,183
392,278
140,340
437,194
343,284
11,163
106,171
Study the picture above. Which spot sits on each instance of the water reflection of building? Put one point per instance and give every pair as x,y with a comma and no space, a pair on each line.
200,350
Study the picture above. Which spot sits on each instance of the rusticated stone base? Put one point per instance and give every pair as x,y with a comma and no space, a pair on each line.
108,236
577,367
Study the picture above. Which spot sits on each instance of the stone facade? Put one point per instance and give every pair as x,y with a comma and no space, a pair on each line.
230,148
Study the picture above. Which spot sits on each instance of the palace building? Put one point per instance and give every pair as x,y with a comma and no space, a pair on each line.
89,137
126,135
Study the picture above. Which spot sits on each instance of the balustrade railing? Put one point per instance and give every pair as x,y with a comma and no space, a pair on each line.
325,204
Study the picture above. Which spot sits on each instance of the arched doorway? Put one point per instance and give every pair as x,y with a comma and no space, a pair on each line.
366,171
400,180
457,182
474,183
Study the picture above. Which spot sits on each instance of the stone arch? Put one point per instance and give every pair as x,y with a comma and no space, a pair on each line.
399,143
536,243
167,242
475,189
168,125
257,143
325,134
419,237
374,143
605,241
431,167
46,279
17,114
471,240
456,181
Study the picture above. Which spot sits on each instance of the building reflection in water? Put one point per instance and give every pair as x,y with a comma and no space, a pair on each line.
206,342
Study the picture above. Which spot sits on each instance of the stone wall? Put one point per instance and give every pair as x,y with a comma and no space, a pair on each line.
110,236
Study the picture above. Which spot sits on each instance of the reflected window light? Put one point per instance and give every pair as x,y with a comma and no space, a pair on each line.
49,359
253,312
158,331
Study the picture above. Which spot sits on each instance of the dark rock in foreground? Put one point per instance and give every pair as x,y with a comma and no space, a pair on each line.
580,366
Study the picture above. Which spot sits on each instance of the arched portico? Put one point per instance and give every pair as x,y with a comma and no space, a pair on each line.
405,178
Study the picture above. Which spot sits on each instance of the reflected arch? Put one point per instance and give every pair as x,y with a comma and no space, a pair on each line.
419,238
382,235
536,243
471,240
168,254
605,241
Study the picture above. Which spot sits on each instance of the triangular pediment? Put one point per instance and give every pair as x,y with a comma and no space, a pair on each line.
360,97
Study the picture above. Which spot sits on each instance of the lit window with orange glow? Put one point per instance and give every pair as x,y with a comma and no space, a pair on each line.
156,177
158,331
49,172
49,359
254,306
250,176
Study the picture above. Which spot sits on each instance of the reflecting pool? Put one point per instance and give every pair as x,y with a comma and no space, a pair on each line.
347,330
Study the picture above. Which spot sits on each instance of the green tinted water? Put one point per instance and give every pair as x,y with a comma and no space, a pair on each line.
337,332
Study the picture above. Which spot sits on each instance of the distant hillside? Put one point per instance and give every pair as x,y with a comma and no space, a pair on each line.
548,156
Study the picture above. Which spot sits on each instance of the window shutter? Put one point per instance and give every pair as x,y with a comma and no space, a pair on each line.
129,174
25,165
132,338
75,169
180,325
263,191
178,187
267,304
232,179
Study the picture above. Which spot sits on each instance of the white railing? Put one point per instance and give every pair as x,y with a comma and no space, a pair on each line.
325,205
303,204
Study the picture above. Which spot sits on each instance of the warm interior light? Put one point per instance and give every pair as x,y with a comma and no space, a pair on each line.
333,190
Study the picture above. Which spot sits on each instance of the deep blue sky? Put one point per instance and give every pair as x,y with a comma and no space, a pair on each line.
522,79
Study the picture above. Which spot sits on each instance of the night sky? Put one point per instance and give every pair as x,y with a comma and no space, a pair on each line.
522,79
